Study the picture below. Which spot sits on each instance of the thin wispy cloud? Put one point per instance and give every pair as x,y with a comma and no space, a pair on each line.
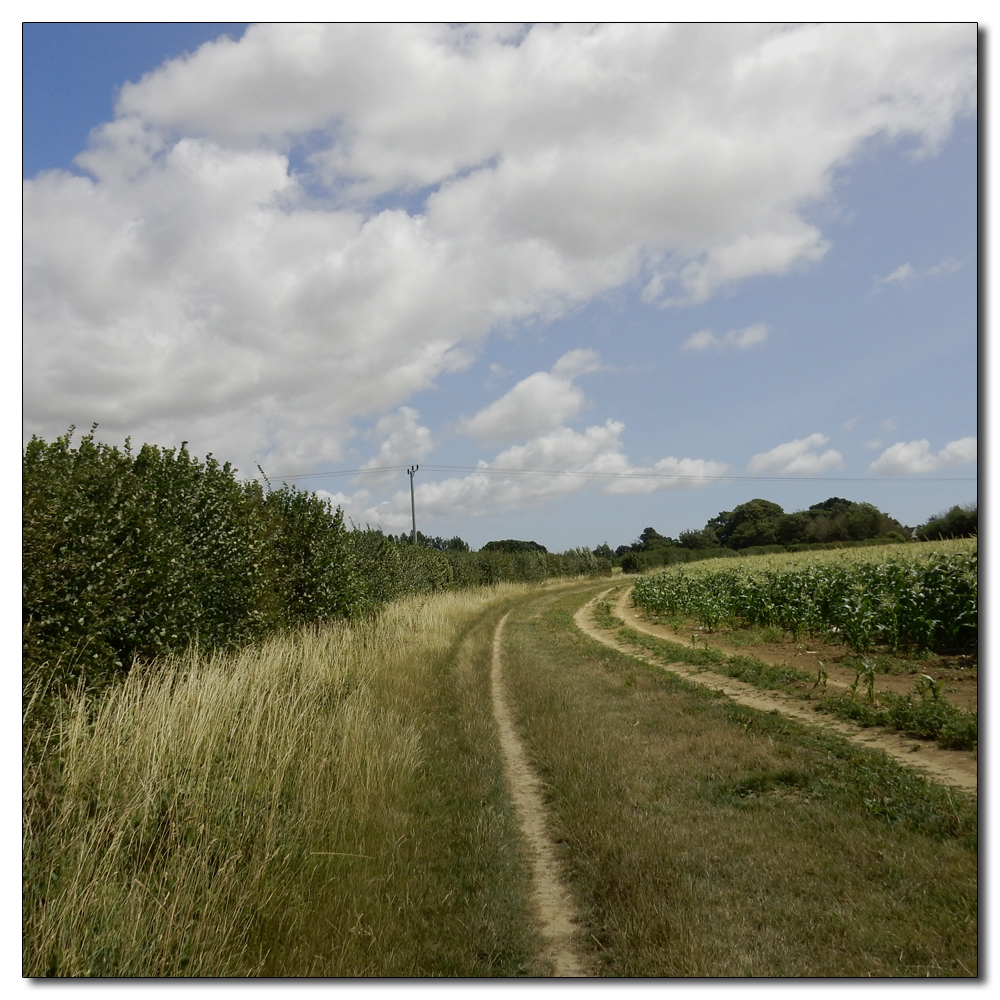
800,457
740,340
901,275
906,274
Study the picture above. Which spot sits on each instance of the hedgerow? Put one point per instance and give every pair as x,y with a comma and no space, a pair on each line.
134,555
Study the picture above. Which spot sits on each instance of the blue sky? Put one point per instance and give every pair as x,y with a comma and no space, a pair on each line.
562,250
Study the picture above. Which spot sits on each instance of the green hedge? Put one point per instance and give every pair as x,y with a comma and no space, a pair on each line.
135,555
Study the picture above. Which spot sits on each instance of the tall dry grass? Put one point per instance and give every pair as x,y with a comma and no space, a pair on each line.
242,814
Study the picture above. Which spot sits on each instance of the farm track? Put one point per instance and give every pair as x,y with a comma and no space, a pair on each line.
553,901
950,767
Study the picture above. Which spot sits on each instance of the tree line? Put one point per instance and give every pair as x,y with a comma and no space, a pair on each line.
760,526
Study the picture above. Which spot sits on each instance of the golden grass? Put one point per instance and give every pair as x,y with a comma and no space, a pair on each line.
251,813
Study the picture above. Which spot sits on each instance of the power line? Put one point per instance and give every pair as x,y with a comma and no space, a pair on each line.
635,475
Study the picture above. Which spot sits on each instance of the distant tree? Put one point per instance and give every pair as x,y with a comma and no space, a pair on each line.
455,544
751,523
840,520
792,528
651,539
958,522
603,551
706,538
513,545
761,522
834,505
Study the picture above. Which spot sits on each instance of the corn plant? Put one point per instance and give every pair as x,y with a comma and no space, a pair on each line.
917,597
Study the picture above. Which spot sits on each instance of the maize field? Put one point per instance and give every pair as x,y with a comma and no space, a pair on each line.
921,596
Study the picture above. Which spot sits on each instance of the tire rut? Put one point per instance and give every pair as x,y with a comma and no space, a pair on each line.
552,899
933,763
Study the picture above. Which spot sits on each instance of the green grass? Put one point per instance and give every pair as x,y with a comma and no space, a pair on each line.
330,803
703,838
922,717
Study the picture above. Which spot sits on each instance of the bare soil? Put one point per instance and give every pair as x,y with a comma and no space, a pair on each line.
553,901
958,674
955,767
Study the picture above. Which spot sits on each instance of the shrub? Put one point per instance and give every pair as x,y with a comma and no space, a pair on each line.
135,555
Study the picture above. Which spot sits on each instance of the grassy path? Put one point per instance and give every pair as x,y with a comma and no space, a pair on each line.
336,804
706,838
554,905
956,768
326,804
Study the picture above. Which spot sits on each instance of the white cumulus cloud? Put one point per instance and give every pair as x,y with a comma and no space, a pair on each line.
906,458
796,458
279,236
539,402
404,440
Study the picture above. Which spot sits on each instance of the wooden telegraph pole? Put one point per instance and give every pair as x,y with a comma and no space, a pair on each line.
413,506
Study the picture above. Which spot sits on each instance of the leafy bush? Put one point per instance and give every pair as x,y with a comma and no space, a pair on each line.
135,555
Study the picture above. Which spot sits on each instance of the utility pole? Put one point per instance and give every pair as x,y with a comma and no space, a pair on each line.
413,506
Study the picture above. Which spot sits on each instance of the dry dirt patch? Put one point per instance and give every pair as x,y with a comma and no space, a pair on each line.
958,674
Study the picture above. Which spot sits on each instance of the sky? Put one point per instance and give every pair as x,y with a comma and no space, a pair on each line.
590,278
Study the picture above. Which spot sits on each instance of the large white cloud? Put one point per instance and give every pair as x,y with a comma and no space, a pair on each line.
796,458
283,234
906,458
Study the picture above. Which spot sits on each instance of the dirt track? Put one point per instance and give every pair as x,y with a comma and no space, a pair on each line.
952,767
551,897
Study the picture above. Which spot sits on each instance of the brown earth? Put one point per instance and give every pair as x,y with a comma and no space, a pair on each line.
954,767
959,675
